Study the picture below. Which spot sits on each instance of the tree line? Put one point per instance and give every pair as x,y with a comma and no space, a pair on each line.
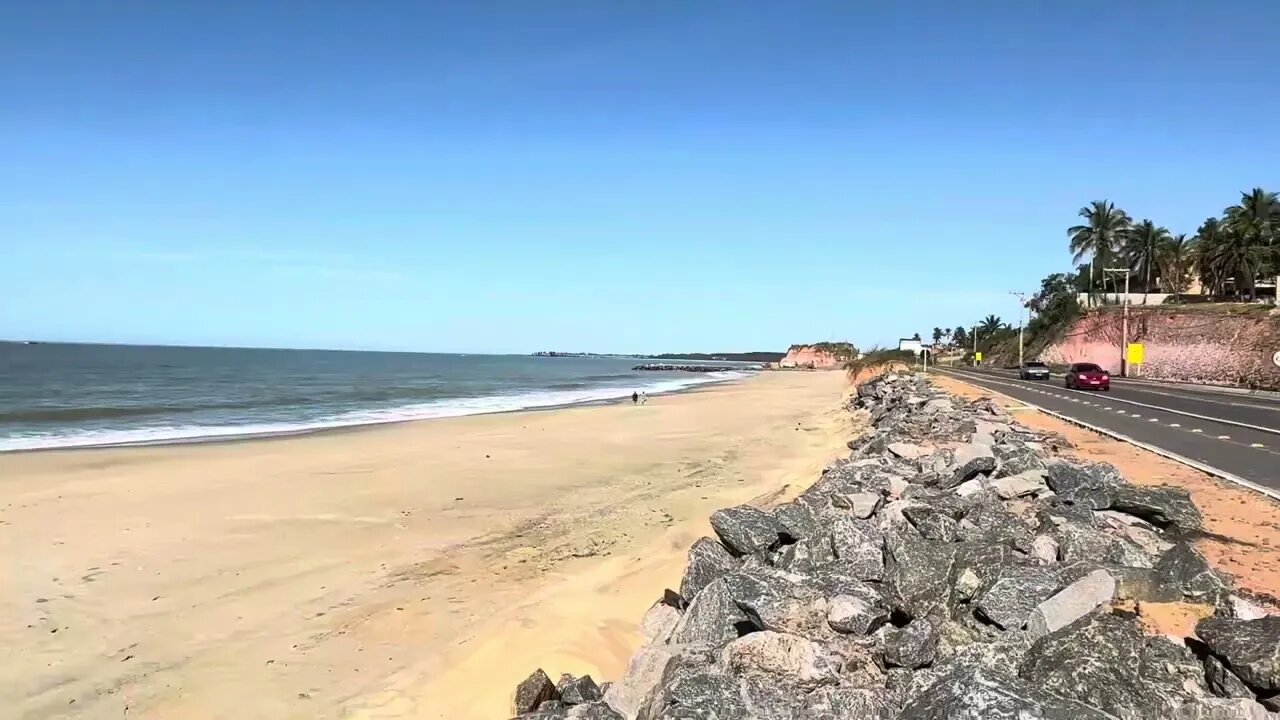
1233,249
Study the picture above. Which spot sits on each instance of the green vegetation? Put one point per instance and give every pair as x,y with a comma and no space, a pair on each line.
1227,255
876,357
838,350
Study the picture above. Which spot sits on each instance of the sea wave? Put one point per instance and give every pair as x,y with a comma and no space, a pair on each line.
453,407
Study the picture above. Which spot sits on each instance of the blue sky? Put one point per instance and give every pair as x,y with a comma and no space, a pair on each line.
615,176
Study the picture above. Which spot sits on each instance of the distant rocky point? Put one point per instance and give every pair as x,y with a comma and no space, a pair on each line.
667,367
818,356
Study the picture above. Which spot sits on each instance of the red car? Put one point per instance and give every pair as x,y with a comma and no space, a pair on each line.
1088,376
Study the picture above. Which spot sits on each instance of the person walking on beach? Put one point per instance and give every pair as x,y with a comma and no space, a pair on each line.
644,398
635,397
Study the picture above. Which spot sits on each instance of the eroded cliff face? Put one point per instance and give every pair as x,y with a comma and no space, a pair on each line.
811,356
1200,346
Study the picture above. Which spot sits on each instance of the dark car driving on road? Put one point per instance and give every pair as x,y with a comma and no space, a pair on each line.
1088,376
1034,370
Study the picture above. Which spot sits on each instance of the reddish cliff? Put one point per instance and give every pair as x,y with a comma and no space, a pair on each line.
1201,345
819,356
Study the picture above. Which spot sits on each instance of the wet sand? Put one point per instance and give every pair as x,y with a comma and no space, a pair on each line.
409,571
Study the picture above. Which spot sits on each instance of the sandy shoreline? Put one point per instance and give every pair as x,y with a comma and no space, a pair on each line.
409,570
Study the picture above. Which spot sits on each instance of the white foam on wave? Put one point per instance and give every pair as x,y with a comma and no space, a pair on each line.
455,407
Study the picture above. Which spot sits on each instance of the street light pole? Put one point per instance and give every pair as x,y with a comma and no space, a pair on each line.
1022,298
975,345
1124,321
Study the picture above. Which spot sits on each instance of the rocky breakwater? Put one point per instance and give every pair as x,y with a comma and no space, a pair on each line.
950,567
668,367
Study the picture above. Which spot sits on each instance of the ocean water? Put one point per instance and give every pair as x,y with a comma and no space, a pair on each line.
65,395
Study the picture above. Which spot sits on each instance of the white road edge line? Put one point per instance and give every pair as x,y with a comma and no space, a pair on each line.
1259,428
1196,464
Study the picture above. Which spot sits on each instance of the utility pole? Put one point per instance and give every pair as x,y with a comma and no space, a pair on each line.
1124,321
975,345
1022,299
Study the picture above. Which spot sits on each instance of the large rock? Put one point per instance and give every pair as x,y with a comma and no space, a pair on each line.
975,693
859,547
798,519
805,556
1107,662
1072,603
857,613
1223,709
918,574
745,529
708,560
970,460
1222,681
913,646
593,711
713,618
578,690
1249,648
1010,600
777,604
848,703
696,693
932,523
1026,483
1184,568
1070,479
644,675
1016,459
532,692
908,451
1161,506
791,659
861,505
1044,550
659,622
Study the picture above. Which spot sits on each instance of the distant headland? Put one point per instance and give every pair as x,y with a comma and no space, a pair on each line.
761,356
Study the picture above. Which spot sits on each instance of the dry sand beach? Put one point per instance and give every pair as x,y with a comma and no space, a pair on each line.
409,571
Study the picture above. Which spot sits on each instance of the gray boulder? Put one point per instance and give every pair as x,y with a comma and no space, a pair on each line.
1223,709
805,556
1016,459
974,693
1249,648
918,574
971,460
532,692
1161,506
913,646
908,451
713,618
1044,549
797,519
1072,603
593,711
745,529
694,693
861,505
857,613
644,675
659,621
859,547
849,703
792,660
1107,662
1010,601
1026,483
708,560
1184,568
1222,681
1070,479
932,523
578,690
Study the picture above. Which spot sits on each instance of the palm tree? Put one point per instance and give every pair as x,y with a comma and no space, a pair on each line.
1175,258
1141,248
990,324
1103,232
1256,220
937,335
1209,239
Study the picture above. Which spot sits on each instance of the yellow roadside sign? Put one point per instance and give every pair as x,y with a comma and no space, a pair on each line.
977,356
1134,353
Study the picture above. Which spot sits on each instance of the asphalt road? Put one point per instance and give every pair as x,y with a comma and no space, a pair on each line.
1235,435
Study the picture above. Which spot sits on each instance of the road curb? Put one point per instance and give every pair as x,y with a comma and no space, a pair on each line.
1194,464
